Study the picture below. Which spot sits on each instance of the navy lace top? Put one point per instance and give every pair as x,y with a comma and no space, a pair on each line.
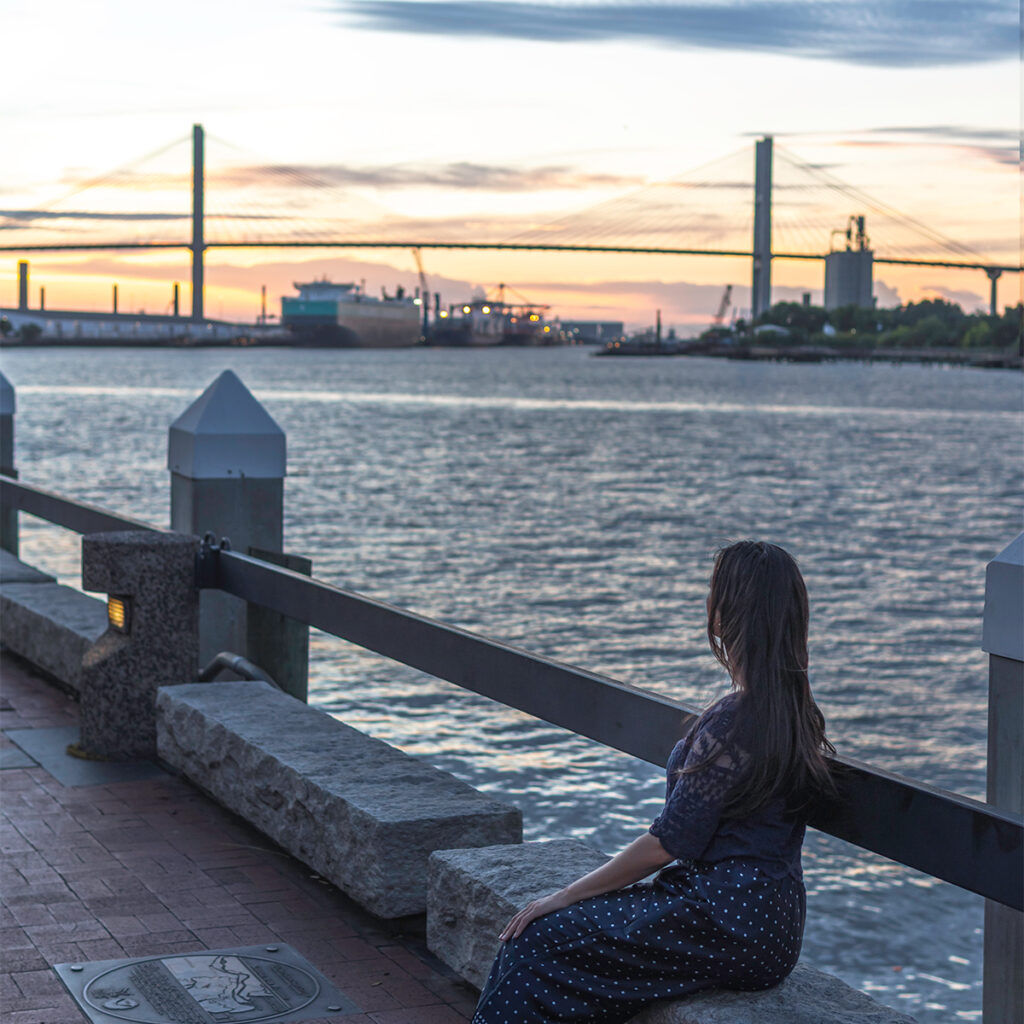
691,826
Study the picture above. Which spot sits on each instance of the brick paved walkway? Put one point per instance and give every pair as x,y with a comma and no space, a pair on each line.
140,868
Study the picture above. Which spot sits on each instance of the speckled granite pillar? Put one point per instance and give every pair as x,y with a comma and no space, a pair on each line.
122,671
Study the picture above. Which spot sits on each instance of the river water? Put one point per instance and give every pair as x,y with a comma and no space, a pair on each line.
571,506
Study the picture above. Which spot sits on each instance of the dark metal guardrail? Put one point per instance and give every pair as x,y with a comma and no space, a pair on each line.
72,515
951,837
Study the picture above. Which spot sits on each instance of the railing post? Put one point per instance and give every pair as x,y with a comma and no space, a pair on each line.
8,514
152,639
279,645
227,461
1003,639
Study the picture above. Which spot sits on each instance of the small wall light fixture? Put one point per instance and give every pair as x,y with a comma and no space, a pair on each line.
119,613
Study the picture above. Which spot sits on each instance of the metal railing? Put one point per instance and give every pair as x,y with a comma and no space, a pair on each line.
76,516
959,840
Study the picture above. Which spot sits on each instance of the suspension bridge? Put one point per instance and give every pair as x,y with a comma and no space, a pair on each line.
787,220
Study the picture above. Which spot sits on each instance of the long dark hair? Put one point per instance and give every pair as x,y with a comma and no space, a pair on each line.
757,627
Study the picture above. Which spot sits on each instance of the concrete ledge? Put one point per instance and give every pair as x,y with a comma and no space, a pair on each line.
807,996
359,812
473,893
14,570
51,626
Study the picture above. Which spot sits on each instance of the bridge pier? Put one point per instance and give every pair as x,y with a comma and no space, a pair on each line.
761,284
994,273
197,245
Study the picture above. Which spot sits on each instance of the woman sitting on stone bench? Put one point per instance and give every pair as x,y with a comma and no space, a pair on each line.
729,912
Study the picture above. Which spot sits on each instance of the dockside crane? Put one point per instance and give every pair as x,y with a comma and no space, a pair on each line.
723,306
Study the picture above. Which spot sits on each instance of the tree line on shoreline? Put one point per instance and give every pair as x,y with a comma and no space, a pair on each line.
929,324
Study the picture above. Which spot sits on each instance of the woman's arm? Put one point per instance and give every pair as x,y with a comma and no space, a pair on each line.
643,856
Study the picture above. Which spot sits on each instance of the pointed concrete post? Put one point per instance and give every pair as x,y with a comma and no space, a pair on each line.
227,461
1003,639
8,515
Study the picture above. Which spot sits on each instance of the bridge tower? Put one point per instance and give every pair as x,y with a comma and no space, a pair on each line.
761,290
197,245
994,273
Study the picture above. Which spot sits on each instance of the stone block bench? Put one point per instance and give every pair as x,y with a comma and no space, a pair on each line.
362,814
47,624
472,894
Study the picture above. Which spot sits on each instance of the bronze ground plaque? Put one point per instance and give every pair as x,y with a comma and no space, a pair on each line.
246,985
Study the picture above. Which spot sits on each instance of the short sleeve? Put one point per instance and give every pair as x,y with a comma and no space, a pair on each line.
693,808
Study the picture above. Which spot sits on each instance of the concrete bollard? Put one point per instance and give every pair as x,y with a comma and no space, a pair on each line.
152,639
227,461
1003,639
8,515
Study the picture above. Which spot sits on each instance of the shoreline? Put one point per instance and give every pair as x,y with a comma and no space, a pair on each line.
986,360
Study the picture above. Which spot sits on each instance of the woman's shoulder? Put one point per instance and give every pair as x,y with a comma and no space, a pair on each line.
715,720
721,714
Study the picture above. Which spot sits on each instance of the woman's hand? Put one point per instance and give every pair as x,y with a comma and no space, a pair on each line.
538,908
643,856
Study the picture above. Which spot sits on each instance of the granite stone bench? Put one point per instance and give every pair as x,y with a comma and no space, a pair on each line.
472,894
47,624
362,814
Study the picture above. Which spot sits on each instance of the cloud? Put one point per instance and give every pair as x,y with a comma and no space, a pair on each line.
997,144
968,301
30,216
278,274
951,131
1005,155
1001,145
459,175
886,295
456,175
50,220
876,33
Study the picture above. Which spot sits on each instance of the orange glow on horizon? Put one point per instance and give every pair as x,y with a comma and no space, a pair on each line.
577,287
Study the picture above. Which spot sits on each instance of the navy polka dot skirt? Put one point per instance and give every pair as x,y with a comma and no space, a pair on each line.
696,925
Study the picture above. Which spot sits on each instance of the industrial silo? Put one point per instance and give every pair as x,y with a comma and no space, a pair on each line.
849,271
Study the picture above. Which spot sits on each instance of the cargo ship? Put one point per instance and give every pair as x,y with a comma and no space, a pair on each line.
329,315
482,322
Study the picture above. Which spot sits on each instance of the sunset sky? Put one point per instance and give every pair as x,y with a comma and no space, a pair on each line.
503,120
